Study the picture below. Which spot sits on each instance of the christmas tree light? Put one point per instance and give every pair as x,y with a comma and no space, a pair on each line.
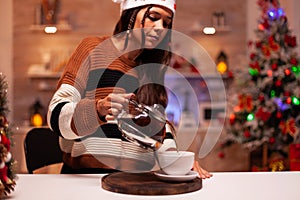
250,117
295,101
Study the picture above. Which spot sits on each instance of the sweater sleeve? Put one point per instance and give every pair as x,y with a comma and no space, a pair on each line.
70,114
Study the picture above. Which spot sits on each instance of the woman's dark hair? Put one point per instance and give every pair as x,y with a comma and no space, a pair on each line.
152,90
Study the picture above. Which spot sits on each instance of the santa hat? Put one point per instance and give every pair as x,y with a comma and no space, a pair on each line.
127,4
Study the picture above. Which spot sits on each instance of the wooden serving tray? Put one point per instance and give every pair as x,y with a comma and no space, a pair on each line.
147,184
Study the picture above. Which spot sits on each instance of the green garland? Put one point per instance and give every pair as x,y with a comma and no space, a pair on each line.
7,162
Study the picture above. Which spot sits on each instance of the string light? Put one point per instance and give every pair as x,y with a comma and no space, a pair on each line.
250,117
261,27
209,30
287,72
232,118
278,115
272,14
275,13
295,101
270,73
50,29
296,69
37,120
280,12
222,67
253,72
273,93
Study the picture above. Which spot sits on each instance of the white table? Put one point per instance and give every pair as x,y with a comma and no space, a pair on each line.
235,185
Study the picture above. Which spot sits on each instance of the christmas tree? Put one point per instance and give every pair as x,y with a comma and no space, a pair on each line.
7,176
267,111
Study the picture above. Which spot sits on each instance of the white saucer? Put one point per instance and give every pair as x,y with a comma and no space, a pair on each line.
166,177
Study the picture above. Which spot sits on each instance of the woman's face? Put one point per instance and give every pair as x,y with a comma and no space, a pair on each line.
155,25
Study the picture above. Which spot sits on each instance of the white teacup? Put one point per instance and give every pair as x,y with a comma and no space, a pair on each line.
176,163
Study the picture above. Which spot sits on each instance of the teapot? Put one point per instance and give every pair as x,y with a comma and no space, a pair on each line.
143,125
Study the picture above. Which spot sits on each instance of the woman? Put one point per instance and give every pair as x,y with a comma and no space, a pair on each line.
102,75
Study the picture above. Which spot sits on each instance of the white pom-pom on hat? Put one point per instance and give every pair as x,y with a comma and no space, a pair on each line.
127,4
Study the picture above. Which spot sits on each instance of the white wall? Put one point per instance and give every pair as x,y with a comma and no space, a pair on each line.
291,8
252,15
6,47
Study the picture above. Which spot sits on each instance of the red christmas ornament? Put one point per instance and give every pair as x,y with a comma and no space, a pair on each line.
247,134
293,42
272,140
278,83
286,94
286,39
290,40
258,44
5,141
250,43
230,74
274,66
252,56
294,61
278,115
271,39
262,114
261,97
3,174
5,152
255,65
266,24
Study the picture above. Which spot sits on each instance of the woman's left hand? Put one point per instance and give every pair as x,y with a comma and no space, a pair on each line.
202,172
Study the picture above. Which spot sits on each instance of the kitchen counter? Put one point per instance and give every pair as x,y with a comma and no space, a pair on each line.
234,185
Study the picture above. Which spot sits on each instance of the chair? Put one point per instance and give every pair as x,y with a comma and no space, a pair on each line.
41,147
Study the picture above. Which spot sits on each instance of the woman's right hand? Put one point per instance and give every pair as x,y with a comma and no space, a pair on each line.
112,105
